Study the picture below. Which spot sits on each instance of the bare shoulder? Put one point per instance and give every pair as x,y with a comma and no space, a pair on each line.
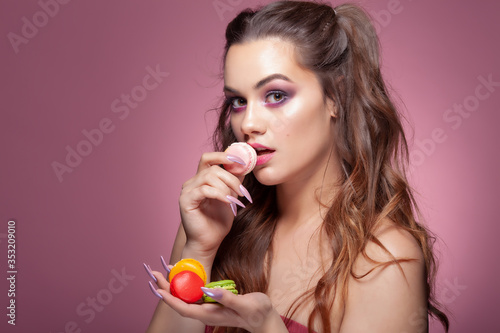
391,298
399,242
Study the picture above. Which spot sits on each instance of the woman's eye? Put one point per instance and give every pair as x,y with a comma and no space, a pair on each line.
275,97
238,103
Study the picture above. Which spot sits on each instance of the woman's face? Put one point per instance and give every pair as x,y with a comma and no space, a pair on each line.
279,109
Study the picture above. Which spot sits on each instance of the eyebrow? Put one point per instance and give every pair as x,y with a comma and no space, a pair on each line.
262,82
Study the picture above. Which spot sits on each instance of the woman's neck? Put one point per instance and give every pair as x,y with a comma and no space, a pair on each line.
301,200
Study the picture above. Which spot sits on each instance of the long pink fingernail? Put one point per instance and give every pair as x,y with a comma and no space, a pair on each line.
233,208
165,264
246,193
216,294
148,270
236,201
154,290
234,158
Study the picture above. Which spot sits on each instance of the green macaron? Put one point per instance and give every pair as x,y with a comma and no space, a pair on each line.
224,284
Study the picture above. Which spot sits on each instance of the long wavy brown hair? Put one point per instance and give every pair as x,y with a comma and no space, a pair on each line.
341,47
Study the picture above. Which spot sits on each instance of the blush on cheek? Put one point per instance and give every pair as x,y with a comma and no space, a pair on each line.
278,125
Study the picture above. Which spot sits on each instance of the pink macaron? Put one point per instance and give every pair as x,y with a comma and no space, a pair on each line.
246,153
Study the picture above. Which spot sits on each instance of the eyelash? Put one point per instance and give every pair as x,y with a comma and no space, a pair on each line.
230,101
284,96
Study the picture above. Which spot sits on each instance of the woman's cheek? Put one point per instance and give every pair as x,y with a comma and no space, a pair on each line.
278,124
284,118
235,128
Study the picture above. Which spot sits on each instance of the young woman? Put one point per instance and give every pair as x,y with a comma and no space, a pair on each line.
328,239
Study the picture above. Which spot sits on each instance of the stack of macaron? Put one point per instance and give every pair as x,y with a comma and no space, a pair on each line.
188,276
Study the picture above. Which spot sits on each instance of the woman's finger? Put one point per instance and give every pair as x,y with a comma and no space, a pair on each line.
167,267
228,299
154,291
217,177
254,308
158,278
184,309
216,158
198,195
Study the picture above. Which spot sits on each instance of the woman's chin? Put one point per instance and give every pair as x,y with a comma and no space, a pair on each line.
267,178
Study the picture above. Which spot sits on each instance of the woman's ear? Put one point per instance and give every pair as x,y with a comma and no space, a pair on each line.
331,107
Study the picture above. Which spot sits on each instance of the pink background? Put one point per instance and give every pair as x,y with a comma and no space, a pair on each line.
118,207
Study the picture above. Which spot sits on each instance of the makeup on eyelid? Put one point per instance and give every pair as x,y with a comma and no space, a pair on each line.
281,94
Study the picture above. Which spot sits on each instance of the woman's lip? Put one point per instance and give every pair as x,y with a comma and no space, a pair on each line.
259,146
264,153
264,158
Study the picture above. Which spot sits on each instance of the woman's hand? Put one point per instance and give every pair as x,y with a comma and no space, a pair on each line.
253,312
205,203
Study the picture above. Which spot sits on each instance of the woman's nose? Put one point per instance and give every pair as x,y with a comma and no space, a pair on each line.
253,121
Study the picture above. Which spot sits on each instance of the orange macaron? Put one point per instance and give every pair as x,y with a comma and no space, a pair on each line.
188,265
